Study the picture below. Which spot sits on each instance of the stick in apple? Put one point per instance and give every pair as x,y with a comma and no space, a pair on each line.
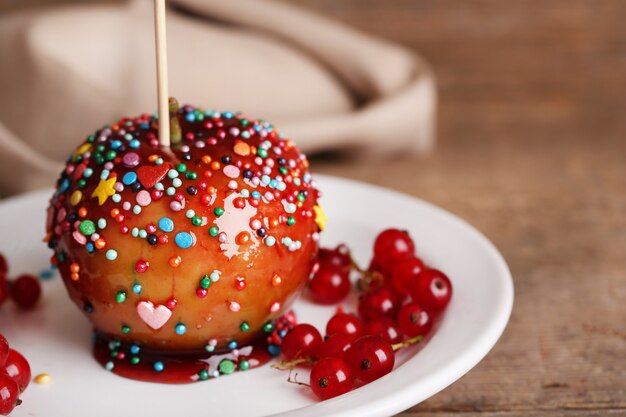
161,58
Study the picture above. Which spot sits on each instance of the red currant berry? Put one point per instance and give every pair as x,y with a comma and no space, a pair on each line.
17,368
344,323
335,346
379,303
369,358
301,342
405,273
391,246
329,285
385,328
414,320
432,290
331,377
9,395
4,265
4,350
25,291
339,257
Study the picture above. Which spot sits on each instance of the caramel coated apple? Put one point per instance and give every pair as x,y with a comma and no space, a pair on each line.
181,248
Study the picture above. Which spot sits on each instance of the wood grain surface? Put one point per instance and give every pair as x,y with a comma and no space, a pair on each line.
531,150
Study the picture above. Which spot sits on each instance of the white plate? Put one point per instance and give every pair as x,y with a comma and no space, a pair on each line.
56,338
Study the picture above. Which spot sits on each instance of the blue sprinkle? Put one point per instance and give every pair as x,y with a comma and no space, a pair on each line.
273,350
135,144
137,288
181,329
282,333
166,224
129,178
115,144
65,184
256,194
273,184
183,240
232,344
228,115
158,366
134,349
89,246
46,274
190,117
144,126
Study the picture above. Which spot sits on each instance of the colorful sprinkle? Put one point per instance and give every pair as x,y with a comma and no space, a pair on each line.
181,329
227,367
42,379
143,198
166,224
120,297
87,227
129,178
183,240
104,190
231,171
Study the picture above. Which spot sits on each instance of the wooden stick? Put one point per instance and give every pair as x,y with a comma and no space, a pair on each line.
161,58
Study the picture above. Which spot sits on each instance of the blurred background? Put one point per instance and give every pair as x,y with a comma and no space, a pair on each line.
531,149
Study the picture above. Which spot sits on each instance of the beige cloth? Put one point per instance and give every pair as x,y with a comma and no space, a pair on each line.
74,69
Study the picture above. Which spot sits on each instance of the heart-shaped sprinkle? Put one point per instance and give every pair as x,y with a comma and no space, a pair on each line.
155,317
149,175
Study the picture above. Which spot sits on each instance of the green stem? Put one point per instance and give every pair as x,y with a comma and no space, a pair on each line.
176,134
407,343
288,366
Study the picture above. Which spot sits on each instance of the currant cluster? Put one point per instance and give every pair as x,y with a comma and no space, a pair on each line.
14,377
24,290
401,299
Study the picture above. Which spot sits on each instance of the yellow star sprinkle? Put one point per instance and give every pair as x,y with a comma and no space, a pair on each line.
104,190
320,217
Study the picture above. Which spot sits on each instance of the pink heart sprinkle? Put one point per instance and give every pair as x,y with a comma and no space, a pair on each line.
155,317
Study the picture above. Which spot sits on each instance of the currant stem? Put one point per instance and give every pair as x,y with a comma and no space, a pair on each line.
407,343
289,365
367,276
295,381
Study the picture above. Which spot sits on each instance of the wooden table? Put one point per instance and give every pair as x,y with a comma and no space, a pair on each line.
532,150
